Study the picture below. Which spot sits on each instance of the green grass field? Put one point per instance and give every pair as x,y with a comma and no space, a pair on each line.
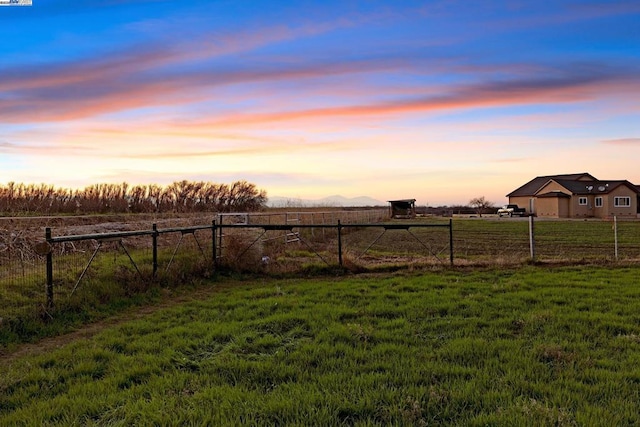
113,281
525,346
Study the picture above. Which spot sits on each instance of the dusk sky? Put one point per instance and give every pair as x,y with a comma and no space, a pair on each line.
441,101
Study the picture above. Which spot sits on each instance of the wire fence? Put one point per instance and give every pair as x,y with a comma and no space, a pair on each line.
101,266
516,240
90,263
97,258
202,249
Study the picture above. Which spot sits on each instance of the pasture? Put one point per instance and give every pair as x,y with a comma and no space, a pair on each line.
500,346
85,289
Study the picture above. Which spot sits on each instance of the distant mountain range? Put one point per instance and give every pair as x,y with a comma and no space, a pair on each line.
331,201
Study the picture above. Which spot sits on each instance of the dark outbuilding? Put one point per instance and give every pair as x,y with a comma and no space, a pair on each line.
405,208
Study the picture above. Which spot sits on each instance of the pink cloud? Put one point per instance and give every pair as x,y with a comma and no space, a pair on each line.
536,91
142,57
66,93
85,99
162,74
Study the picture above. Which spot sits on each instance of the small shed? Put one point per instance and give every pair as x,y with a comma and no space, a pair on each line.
405,208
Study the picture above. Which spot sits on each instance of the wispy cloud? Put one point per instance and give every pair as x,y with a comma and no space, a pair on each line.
42,149
622,141
160,53
539,15
366,95
69,92
512,160
564,89
269,149
182,73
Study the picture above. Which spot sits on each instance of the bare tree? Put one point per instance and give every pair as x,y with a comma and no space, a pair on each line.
480,204
180,196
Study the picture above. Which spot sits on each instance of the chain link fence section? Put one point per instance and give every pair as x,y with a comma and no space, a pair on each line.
22,274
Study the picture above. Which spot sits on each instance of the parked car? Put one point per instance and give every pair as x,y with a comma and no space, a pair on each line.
511,210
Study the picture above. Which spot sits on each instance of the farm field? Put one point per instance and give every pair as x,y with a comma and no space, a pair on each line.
499,346
87,289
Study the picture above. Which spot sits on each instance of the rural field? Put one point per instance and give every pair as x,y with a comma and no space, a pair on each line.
525,345
94,278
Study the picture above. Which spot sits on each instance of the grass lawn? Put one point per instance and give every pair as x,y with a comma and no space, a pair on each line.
526,346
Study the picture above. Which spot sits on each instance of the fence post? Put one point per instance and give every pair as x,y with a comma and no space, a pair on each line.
313,232
154,239
451,241
615,233
220,219
532,243
49,269
339,243
323,222
213,244
286,221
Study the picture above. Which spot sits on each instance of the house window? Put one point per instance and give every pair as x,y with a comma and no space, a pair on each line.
622,202
582,201
598,202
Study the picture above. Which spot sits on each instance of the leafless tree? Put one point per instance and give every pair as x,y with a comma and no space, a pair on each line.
480,204
180,196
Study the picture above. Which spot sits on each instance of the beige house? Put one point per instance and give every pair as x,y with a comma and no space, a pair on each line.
577,196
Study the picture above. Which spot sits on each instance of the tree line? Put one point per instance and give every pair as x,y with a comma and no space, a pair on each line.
180,196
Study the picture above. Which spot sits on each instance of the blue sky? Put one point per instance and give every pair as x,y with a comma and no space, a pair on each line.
441,101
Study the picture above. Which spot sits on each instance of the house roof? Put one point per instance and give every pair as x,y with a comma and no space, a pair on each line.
593,187
533,186
558,194
403,201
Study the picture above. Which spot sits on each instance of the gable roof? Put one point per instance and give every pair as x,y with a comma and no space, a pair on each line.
594,187
403,201
551,194
533,186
